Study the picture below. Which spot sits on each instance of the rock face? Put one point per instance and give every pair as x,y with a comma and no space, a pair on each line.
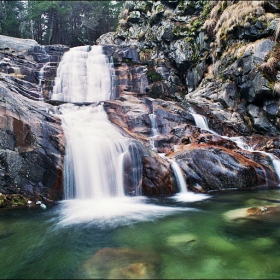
32,141
172,59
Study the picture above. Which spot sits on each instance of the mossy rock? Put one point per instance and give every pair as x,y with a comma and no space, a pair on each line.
12,200
154,76
128,61
18,200
3,201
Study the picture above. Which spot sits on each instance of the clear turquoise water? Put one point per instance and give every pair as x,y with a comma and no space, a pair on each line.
200,242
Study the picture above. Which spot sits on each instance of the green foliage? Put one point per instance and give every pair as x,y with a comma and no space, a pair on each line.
59,22
11,17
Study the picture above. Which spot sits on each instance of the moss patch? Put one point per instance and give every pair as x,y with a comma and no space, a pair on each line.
11,200
154,76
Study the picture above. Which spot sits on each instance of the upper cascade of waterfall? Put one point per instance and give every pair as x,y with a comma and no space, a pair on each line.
83,75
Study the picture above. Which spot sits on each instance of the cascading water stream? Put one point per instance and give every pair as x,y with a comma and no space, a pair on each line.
180,178
40,79
183,195
154,130
201,122
41,73
94,151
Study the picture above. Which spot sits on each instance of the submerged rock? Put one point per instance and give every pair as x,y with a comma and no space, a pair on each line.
179,240
257,212
121,263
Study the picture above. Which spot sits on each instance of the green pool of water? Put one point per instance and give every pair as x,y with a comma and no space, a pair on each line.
201,241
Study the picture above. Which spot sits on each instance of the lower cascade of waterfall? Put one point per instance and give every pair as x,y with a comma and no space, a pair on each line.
94,154
179,177
183,195
95,163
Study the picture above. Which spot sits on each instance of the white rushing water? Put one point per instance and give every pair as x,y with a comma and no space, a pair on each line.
83,75
154,130
180,178
41,75
184,195
201,122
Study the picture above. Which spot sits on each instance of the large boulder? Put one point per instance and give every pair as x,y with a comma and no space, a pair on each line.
213,168
15,44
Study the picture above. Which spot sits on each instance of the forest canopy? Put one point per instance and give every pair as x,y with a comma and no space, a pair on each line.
71,23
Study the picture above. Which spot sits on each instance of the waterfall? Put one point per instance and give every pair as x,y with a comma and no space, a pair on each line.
201,122
95,149
41,75
114,80
184,195
154,130
41,72
179,177
101,166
